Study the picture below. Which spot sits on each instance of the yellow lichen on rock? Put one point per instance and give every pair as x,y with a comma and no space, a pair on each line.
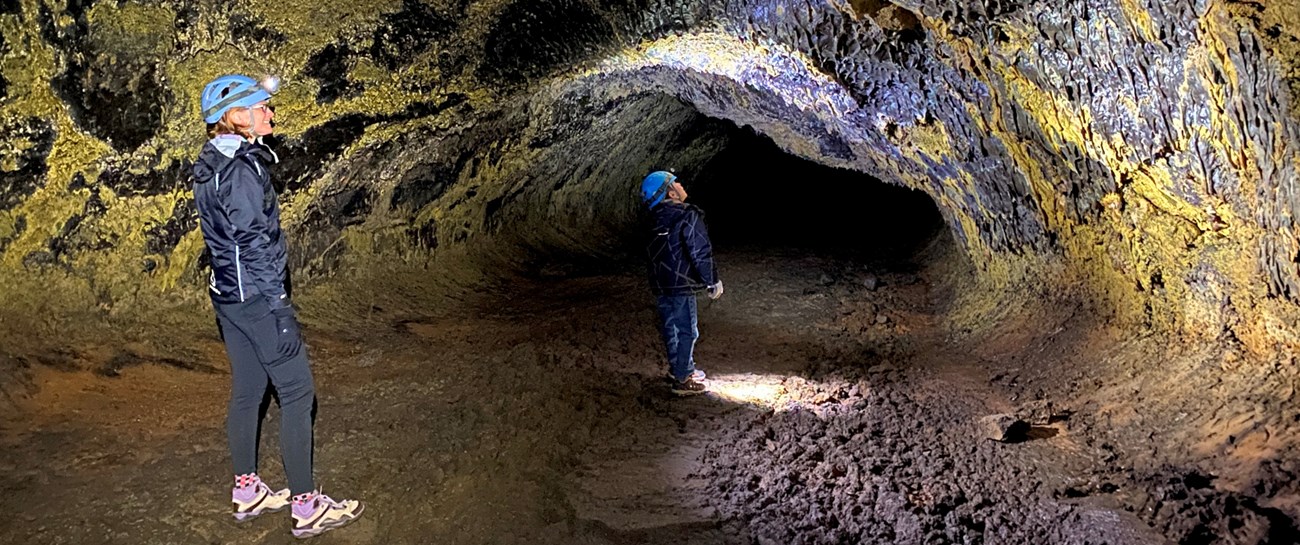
1140,19
314,24
132,29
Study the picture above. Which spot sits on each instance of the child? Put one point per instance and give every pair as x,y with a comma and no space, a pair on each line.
680,264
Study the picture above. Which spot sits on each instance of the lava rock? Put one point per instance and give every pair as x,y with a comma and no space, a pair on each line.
112,81
22,176
1041,412
530,39
1004,428
330,67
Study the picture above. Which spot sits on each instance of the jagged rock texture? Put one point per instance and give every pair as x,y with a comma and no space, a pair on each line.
1146,149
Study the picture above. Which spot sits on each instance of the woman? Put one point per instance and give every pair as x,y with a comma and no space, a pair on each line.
240,218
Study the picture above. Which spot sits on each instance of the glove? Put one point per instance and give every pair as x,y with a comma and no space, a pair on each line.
288,332
715,291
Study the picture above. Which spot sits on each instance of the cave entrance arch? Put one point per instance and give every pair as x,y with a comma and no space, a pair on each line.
757,196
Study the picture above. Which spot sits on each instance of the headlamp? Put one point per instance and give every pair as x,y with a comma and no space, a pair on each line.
270,84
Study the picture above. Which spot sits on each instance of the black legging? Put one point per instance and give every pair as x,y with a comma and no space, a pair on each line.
250,335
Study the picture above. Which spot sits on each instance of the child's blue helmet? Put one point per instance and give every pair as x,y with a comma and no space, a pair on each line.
234,91
655,187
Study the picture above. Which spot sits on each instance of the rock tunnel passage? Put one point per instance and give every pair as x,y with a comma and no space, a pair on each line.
1114,270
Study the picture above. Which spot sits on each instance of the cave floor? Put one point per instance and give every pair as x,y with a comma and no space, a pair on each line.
839,414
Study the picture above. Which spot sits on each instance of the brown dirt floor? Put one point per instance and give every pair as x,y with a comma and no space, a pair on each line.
839,414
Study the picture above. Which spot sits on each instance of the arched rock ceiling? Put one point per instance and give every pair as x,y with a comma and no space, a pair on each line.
1145,149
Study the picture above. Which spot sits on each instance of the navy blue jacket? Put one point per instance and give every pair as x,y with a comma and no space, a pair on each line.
681,256
240,218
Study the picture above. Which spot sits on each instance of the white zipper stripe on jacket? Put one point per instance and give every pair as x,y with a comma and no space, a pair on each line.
239,269
239,274
241,278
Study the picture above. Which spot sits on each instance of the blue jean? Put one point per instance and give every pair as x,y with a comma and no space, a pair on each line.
679,327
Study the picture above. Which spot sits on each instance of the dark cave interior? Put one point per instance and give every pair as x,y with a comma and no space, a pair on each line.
757,195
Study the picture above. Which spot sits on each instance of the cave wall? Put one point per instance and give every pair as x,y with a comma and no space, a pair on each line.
1146,151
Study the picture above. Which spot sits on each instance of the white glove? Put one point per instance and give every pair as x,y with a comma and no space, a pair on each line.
715,291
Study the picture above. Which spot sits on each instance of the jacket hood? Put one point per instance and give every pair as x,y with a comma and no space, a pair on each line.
215,156
669,212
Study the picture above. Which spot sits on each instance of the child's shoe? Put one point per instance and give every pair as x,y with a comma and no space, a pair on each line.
689,387
697,375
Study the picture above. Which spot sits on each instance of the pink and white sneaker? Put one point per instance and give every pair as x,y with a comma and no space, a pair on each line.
315,513
252,497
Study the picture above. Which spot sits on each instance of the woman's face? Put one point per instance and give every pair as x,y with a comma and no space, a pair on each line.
255,119
261,118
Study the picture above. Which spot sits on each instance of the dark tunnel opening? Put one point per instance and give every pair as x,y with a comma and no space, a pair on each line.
759,197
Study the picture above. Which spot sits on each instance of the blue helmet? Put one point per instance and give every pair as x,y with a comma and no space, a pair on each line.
655,186
234,91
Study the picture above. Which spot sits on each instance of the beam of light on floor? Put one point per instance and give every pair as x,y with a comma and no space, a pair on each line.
765,390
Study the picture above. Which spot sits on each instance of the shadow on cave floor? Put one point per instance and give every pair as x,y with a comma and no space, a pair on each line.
840,414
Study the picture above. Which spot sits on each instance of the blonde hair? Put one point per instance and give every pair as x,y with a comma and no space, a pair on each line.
228,125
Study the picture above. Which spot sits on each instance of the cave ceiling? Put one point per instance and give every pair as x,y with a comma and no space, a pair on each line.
1147,148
